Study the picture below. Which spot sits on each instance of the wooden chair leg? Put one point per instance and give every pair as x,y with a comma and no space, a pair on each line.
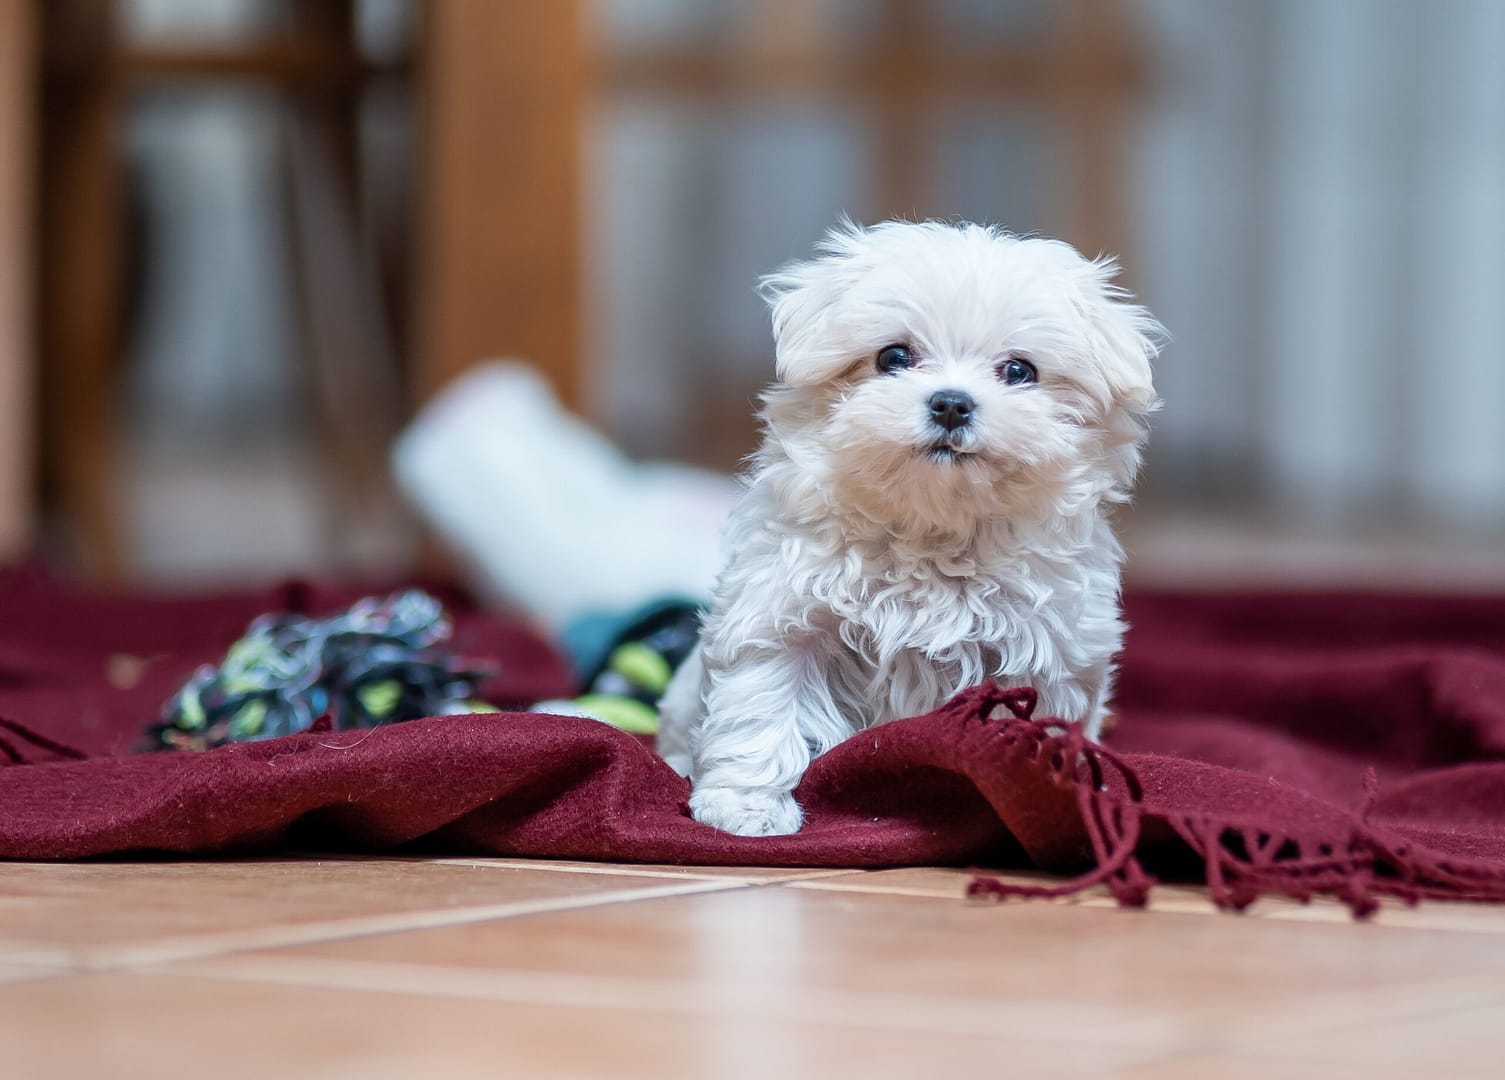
503,87
81,254
1091,124
349,355
18,75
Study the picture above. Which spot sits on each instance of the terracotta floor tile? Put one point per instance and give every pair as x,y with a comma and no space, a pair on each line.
109,914
1236,1068
892,962
950,883
133,1025
1455,1040
461,967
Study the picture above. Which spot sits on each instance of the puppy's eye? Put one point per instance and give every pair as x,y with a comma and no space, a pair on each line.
1017,371
894,358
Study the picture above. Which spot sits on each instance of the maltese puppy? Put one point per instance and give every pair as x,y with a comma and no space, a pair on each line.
955,413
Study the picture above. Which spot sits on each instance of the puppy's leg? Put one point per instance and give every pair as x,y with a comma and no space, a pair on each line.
679,711
1099,689
762,714
1081,699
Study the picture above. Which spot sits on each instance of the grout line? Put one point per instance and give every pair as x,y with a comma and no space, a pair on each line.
1084,901
870,887
1197,901
169,949
25,973
750,874
54,958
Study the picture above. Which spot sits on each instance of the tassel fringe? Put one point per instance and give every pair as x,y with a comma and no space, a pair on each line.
1242,864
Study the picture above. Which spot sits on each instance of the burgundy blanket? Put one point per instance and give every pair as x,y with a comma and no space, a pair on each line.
1352,745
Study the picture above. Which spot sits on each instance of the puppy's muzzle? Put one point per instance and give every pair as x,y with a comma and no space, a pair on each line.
951,410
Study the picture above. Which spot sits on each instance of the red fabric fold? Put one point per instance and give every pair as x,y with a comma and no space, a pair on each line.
1300,744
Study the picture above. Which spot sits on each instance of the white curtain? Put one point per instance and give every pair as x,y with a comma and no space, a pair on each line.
1320,214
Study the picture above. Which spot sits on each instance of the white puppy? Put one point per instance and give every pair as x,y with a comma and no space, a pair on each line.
956,411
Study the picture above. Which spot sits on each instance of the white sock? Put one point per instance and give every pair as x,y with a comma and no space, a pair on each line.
546,512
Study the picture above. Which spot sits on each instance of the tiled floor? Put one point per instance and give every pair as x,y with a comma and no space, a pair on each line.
435,968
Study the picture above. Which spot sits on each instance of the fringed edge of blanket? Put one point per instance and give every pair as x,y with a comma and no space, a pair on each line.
1368,863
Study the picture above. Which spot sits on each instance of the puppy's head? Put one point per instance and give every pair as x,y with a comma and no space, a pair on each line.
931,375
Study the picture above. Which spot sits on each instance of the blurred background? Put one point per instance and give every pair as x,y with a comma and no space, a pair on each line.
242,241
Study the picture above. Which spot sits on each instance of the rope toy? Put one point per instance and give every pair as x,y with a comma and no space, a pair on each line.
378,662
623,689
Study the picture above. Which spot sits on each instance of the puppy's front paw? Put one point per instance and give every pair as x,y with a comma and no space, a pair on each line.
746,812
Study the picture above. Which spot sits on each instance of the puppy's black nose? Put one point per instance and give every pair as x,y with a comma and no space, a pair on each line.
951,409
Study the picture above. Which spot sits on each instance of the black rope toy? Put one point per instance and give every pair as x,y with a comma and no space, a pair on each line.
379,662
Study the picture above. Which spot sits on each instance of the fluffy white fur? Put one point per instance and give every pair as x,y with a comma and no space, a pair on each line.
877,563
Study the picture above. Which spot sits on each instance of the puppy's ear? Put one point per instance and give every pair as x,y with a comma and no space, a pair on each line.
803,297
1124,338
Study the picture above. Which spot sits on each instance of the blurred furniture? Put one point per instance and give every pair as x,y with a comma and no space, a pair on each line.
17,56
90,78
498,265
1085,71
495,274
495,265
